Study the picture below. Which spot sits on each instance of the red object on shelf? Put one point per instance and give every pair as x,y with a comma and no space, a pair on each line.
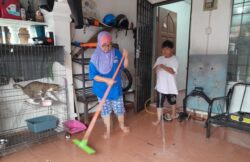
10,9
0,8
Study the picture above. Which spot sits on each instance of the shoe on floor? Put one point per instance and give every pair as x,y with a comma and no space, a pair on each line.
167,117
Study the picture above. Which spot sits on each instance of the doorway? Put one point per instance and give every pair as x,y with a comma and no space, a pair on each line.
172,22
147,45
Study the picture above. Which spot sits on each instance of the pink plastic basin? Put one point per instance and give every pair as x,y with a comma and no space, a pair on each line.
74,126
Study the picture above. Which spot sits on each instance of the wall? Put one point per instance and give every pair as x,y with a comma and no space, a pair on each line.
217,41
217,21
183,20
220,22
200,42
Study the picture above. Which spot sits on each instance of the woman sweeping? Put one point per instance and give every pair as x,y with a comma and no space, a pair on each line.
103,64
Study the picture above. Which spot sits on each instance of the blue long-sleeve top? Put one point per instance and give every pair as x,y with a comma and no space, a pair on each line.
99,88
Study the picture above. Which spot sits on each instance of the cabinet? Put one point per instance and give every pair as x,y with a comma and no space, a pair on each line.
84,94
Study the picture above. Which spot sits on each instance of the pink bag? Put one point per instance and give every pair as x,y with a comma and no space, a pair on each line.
74,126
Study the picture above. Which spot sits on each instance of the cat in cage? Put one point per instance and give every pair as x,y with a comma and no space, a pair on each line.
40,91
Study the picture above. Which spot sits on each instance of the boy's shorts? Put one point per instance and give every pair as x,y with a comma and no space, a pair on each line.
116,105
161,98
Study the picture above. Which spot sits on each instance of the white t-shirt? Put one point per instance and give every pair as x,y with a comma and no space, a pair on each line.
166,82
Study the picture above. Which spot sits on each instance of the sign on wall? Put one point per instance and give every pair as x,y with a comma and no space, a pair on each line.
210,5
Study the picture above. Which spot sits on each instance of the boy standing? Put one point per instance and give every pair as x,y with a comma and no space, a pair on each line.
166,67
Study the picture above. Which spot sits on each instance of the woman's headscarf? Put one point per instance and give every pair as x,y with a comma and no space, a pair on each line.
103,61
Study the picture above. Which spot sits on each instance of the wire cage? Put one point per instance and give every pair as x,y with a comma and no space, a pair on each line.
33,94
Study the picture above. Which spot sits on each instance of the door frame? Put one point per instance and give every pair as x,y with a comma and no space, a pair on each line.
166,2
143,53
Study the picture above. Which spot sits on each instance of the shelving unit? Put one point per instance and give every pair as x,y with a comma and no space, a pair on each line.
14,25
84,94
19,23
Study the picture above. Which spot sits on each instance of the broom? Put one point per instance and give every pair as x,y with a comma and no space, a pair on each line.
83,144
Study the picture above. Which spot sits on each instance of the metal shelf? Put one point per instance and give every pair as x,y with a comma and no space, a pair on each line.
80,77
85,94
19,23
79,61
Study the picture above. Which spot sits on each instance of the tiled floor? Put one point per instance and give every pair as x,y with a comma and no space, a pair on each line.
185,142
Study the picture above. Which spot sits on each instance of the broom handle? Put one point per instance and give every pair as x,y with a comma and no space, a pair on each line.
100,105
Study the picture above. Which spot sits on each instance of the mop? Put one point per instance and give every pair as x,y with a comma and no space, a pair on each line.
162,124
163,133
163,130
83,144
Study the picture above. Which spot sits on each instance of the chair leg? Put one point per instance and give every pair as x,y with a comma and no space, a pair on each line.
208,129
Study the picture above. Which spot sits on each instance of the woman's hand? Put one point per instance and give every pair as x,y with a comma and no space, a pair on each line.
109,82
125,55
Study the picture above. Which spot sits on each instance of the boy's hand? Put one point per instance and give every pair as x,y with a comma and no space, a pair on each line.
162,66
125,53
157,68
166,68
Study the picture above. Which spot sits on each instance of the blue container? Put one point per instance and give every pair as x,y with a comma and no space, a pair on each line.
40,31
42,123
